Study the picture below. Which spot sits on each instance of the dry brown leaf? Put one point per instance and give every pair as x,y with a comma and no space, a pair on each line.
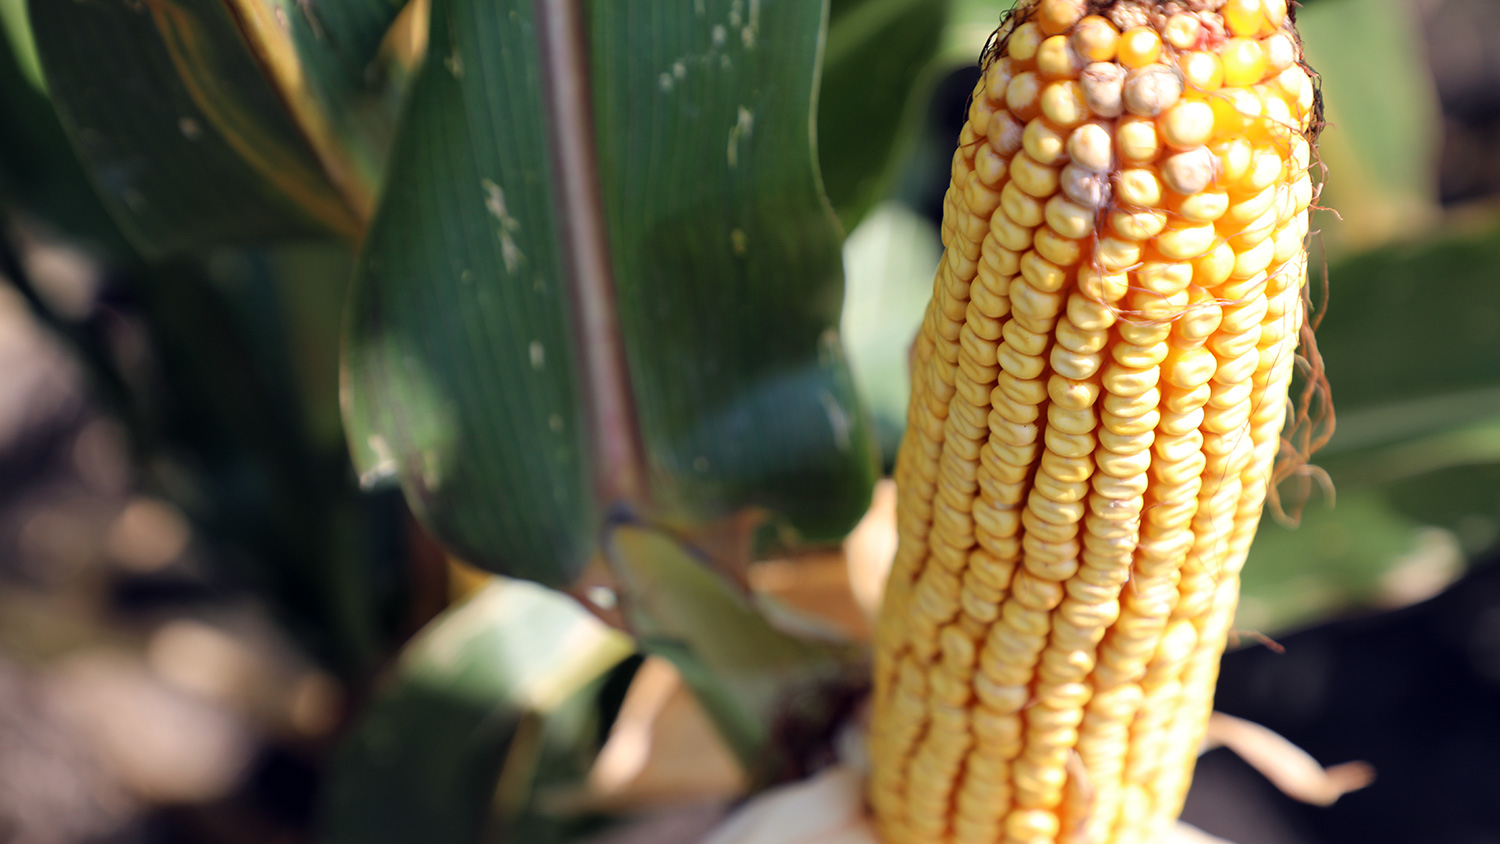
1286,765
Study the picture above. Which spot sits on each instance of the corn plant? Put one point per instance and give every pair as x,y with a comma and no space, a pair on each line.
579,262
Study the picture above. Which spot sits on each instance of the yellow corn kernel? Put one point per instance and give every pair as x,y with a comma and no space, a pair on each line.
1043,143
1234,156
1244,17
1138,224
1024,42
1024,96
1187,124
1057,58
1138,186
1098,392
1281,52
1139,46
1069,219
1235,109
1245,62
1031,176
1095,39
1275,15
1091,147
1202,71
1202,207
1063,103
1136,140
1058,16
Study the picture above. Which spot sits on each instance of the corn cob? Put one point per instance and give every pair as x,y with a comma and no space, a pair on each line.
1099,390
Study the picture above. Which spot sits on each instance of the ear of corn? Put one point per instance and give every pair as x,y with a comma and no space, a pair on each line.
1099,390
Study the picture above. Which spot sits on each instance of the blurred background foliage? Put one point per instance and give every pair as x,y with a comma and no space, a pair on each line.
209,379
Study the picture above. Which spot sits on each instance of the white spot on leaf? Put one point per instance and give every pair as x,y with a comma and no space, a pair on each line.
538,354
385,463
494,202
720,35
743,126
509,252
313,23
838,420
190,128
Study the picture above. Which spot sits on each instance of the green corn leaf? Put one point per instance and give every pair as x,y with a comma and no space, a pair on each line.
524,357
213,122
750,677
876,69
345,94
184,138
473,702
1382,142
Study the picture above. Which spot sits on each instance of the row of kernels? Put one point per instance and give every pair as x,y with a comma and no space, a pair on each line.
1097,38
933,771
1143,610
1248,57
1111,525
1054,512
1198,683
931,780
980,808
1217,505
1078,627
1115,655
934,591
1006,664
912,466
906,706
1059,708
1151,730
1279,332
1154,118
966,431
